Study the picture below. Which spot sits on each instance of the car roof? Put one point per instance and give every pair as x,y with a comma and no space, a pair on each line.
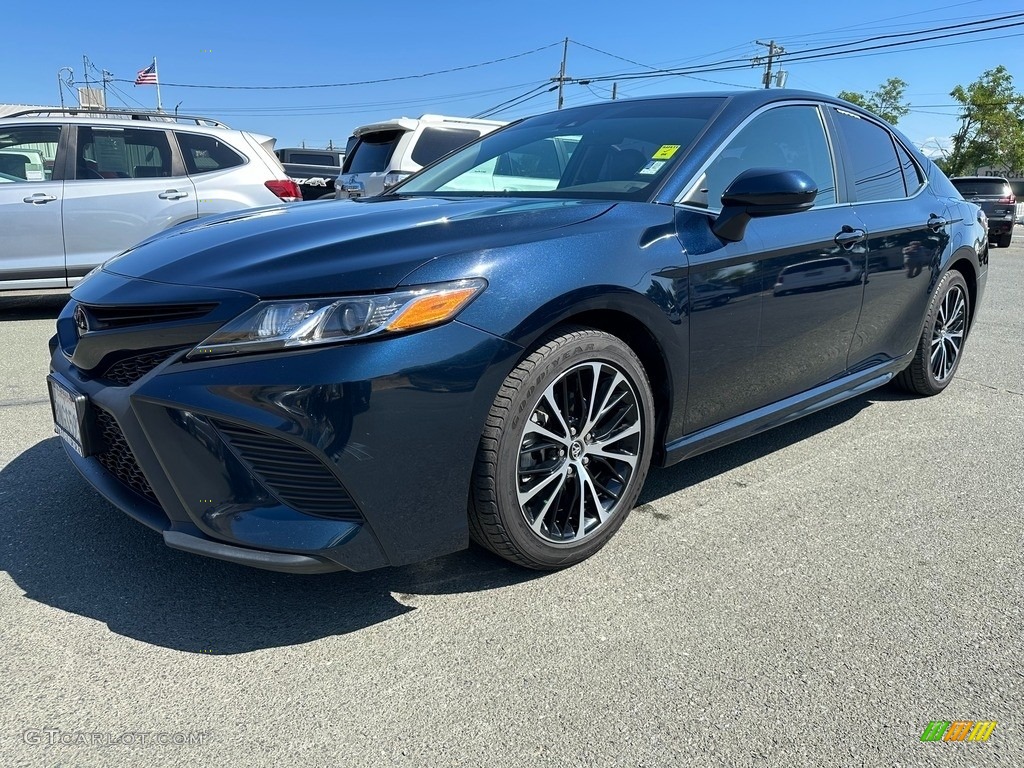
147,121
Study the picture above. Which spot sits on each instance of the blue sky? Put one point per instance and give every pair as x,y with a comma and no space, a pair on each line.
221,43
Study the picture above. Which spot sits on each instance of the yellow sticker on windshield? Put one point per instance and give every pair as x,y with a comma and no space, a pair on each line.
666,151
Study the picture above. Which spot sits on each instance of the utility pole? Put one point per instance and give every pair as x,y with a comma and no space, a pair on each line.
773,51
107,77
615,90
562,79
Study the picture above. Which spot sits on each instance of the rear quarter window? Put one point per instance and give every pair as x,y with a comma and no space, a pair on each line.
204,154
435,143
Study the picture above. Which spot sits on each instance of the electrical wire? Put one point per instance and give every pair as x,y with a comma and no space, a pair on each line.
515,101
356,82
727,65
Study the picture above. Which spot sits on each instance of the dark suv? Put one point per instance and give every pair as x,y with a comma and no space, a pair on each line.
996,199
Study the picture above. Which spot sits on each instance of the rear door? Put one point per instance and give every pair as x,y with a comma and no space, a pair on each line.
908,230
31,198
127,185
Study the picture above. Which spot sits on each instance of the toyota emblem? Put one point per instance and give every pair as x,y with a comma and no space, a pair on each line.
81,320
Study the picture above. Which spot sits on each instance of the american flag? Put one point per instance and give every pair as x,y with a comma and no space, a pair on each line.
147,76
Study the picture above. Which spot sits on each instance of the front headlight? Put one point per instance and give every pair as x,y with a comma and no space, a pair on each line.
302,323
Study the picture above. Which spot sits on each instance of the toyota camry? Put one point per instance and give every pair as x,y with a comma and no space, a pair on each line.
500,346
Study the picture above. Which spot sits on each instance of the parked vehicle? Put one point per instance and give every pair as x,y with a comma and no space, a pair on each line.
79,187
996,199
318,387
385,153
314,170
817,274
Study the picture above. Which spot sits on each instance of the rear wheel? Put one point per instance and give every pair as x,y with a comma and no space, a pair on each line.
565,451
942,340
1004,240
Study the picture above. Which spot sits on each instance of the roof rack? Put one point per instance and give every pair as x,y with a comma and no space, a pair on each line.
134,114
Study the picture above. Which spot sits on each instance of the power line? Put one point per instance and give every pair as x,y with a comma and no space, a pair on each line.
516,100
809,54
357,82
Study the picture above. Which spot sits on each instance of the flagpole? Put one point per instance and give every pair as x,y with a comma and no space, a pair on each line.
156,71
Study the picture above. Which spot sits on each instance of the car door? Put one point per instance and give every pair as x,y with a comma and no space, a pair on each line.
127,184
908,230
764,345
31,198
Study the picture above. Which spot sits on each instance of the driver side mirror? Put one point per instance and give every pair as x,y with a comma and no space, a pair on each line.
762,192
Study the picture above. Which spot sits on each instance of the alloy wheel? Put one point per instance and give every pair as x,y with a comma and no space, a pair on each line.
578,451
948,334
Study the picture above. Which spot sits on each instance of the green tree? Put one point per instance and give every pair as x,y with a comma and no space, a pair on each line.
991,129
887,102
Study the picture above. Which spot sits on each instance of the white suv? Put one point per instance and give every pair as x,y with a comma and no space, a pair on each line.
382,154
79,187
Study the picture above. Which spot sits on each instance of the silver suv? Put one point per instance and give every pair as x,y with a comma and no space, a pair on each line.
79,187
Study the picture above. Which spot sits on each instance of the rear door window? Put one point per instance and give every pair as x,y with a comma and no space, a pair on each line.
874,166
204,154
435,143
122,153
372,151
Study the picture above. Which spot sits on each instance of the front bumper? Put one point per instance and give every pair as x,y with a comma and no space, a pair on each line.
347,457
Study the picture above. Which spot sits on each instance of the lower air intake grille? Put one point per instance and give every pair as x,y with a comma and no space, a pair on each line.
118,458
131,369
295,476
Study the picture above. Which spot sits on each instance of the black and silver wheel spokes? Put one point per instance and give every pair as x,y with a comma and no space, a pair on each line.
578,452
948,334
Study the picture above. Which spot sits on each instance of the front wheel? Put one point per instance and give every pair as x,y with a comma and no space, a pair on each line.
565,452
942,340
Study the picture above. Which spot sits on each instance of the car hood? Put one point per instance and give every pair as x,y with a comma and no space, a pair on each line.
339,246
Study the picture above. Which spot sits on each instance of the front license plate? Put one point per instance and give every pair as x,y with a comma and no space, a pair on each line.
69,413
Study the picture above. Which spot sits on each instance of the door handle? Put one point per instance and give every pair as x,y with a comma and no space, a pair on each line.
935,223
172,194
39,198
848,237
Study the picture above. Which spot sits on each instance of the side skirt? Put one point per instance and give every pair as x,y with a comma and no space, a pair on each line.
784,411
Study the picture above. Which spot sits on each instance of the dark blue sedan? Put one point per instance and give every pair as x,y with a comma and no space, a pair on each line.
499,347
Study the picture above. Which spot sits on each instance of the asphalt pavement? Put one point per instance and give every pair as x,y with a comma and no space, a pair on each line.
814,596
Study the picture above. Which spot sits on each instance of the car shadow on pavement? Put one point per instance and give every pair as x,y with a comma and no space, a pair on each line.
66,547
40,307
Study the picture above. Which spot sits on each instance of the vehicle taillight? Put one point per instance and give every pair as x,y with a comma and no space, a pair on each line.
286,189
394,177
1012,199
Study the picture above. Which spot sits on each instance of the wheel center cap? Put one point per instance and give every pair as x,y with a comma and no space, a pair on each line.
575,450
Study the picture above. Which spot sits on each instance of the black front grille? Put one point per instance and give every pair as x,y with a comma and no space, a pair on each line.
103,318
118,458
295,476
131,369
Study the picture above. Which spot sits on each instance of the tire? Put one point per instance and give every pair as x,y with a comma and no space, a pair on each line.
1004,240
552,483
942,341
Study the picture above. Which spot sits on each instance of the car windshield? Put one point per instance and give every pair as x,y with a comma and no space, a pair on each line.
618,151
